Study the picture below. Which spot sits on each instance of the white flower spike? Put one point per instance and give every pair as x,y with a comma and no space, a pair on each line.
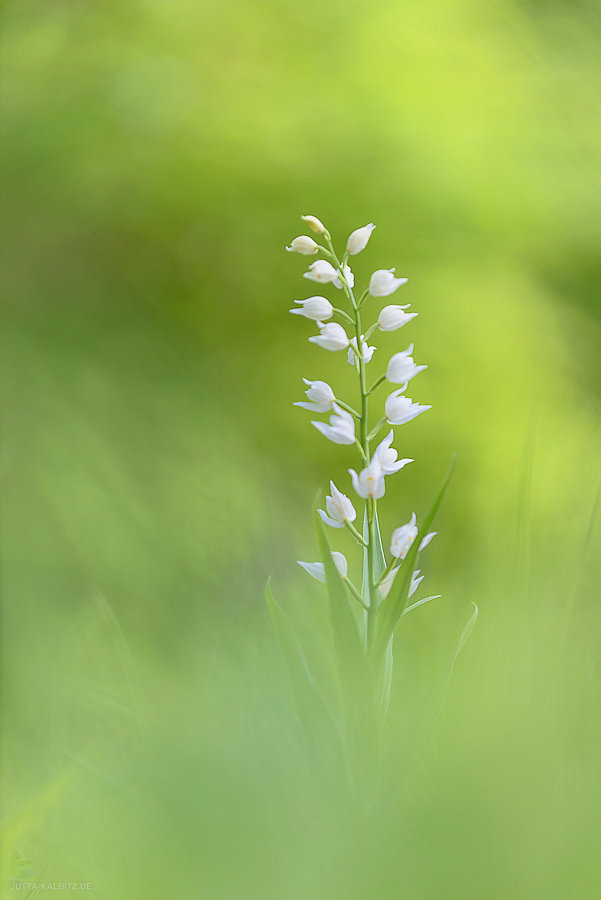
339,509
341,429
401,368
402,538
321,271
303,244
316,308
314,224
393,317
367,352
400,410
370,481
331,337
358,239
350,424
348,277
388,457
383,283
318,570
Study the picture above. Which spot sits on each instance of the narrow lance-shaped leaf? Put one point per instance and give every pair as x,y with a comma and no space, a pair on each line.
310,706
393,606
346,634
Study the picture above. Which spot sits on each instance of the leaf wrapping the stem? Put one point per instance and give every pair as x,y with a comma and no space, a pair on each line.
393,606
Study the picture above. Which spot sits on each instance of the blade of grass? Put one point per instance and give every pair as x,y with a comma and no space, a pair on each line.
310,706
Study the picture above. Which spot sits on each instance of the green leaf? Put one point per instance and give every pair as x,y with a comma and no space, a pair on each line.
380,561
346,634
420,603
394,605
467,630
310,706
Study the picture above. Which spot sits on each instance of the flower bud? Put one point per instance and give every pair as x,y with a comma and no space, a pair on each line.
382,283
332,337
303,244
316,308
401,368
341,429
358,239
400,410
321,396
321,271
366,351
339,509
348,277
393,317
416,580
402,538
314,224
318,570
370,481
387,456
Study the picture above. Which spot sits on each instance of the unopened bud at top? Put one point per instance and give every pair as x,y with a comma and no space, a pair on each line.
358,239
314,224
303,244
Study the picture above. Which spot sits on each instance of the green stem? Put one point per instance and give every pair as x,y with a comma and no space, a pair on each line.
371,562
375,430
344,315
354,592
355,533
348,408
376,384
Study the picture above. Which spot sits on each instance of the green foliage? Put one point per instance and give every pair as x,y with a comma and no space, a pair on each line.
154,157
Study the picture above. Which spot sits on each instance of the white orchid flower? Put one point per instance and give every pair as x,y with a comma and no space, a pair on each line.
370,481
314,224
339,509
387,456
316,308
331,337
386,583
427,539
402,538
303,244
348,277
320,395
321,271
401,367
341,429
358,239
393,317
366,351
318,570
416,580
400,410
382,283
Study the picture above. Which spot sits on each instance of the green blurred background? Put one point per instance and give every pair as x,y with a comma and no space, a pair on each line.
157,157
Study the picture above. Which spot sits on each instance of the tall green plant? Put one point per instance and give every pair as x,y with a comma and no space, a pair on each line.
363,618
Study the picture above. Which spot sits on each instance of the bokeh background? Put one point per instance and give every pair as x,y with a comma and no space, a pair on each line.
157,157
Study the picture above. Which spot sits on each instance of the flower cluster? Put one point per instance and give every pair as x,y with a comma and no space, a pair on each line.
342,330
